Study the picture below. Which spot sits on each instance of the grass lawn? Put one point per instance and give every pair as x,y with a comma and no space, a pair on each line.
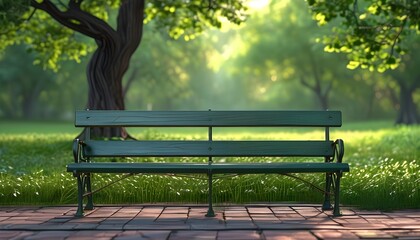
384,168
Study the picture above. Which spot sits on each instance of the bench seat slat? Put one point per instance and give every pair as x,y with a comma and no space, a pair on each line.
109,118
207,148
239,168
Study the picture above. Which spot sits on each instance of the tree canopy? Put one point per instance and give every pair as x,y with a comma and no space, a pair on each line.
32,22
372,33
257,65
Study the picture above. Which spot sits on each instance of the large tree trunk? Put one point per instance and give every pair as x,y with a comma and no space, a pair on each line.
110,62
111,59
104,74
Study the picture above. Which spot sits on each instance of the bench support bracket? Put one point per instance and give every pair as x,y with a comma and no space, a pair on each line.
83,185
337,179
210,211
327,195
89,204
80,188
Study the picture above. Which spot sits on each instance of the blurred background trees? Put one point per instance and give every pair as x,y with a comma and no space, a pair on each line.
376,35
275,60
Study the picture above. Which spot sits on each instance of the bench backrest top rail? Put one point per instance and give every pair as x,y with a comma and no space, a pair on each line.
110,118
208,148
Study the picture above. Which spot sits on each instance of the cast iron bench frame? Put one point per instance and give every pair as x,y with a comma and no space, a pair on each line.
331,151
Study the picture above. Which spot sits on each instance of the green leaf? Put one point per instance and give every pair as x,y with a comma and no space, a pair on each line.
353,65
391,60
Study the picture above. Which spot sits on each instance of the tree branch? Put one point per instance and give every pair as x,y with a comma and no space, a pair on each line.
306,84
97,26
62,17
75,3
76,19
394,41
316,74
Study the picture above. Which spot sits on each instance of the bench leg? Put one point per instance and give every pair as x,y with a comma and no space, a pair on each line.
336,211
89,204
327,194
80,187
210,212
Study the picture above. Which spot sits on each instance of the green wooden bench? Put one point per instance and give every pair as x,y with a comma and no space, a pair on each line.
329,152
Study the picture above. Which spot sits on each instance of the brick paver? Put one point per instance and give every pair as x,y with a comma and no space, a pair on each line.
265,222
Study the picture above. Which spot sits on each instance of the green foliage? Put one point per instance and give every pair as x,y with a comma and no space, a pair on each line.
11,16
28,91
188,18
275,61
100,8
372,33
51,42
54,43
283,50
159,76
11,12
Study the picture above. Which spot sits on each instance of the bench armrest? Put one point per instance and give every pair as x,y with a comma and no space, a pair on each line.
339,150
77,150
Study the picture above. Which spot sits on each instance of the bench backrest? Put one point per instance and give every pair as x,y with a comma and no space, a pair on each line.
109,118
210,119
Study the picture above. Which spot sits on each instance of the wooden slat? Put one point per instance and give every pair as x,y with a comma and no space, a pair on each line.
239,168
207,118
207,148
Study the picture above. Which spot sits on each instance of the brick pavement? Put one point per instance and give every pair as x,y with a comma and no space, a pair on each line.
268,221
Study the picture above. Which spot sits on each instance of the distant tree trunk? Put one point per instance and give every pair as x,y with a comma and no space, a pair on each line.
323,99
28,105
407,111
110,61
321,95
371,101
30,97
321,92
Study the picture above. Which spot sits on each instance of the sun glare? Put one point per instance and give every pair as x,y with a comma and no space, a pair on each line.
258,4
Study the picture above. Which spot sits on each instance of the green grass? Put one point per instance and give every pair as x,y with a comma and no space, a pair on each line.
384,162
36,127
